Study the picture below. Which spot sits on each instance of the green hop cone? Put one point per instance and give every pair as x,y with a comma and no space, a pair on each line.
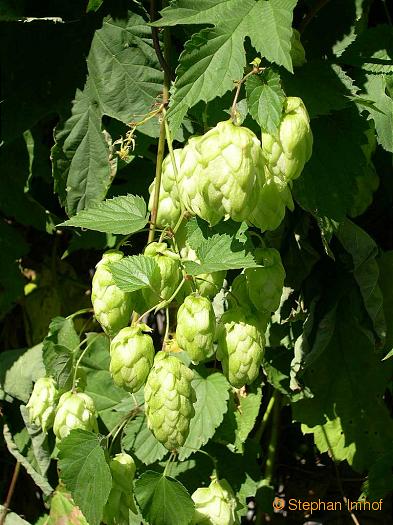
121,497
169,398
215,504
168,277
240,346
112,307
42,403
75,410
298,54
219,173
287,154
196,325
132,355
274,196
169,207
208,284
265,283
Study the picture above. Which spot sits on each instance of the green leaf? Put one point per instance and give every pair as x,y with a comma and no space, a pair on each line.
39,452
163,500
139,440
64,510
372,50
246,416
212,397
121,215
385,263
327,184
375,87
265,99
198,231
214,58
38,478
85,473
94,5
366,272
12,518
379,481
135,272
220,252
23,368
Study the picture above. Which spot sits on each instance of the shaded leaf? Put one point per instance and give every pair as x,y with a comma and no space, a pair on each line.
141,441
265,99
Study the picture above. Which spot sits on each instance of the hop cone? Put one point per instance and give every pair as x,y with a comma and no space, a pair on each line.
42,403
75,410
112,306
274,196
215,504
240,346
196,325
132,355
208,284
265,284
286,155
168,277
219,172
298,53
169,201
121,498
169,398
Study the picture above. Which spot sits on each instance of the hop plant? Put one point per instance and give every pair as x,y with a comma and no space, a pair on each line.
287,154
208,284
215,504
169,207
132,355
75,410
196,325
121,498
240,346
112,307
274,196
298,53
169,398
42,403
265,283
168,277
219,173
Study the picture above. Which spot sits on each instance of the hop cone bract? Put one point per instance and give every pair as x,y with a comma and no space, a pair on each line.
75,410
196,325
42,403
287,154
132,355
215,504
240,346
219,172
169,398
121,498
112,306
168,277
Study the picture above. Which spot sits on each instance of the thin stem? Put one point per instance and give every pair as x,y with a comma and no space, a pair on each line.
166,326
80,312
173,160
80,359
255,70
266,416
156,42
311,14
272,449
157,182
10,493
162,304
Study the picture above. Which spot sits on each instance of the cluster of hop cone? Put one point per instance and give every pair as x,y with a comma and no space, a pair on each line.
226,173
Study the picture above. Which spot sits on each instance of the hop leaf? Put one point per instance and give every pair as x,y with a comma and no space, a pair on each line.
196,324
75,410
240,346
169,398
219,172
132,355
42,403
287,154
298,53
112,307
208,284
215,504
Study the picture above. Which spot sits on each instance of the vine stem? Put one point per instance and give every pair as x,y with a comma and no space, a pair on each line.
10,493
255,70
266,416
271,456
80,359
162,304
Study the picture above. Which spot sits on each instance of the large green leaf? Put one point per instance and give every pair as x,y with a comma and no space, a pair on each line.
139,440
212,396
163,500
375,87
85,473
135,272
214,58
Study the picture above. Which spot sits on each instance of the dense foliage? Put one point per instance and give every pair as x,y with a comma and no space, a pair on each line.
196,260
